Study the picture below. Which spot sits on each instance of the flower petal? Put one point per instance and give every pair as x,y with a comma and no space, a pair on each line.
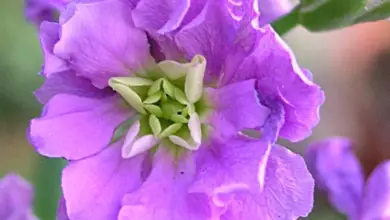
43,10
49,36
160,15
237,107
287,194
164,195
232,164
376,196
16,196
100,42
62,213
141,145
263,55
67,82
337,171
211,33
270,10
74,127
93,187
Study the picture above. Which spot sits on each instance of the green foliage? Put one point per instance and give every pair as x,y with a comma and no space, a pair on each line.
47,182
323,15
317,15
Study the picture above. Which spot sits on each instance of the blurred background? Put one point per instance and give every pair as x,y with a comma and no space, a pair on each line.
351,65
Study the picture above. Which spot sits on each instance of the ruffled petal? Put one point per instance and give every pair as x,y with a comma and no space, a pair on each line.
270,10
376,195
16,196
164,195
287,194
38,11
162,19
49,36
93,187
75,127
67,82
337,171
211,33
263,55
160,16
230,166
99,41
236,107
62,213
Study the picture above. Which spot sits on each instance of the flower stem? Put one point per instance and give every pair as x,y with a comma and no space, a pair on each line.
47,187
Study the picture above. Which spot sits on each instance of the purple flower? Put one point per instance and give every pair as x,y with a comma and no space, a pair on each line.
270,10
337,171
61,211
169,109
43,10
263,11
16,197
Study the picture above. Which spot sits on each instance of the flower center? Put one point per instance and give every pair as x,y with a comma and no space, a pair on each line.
170,103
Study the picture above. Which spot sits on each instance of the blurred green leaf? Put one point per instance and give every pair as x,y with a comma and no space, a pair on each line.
374,10
47,183
321,15
318,15
286,23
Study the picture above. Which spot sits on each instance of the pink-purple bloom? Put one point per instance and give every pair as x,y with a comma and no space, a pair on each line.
270,10
170,110
337,171
16,196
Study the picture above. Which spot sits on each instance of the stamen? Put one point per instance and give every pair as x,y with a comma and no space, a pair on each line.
169,101
128,94
168,88
133,81
130,138
155,125
141,145
155,87
174,70
180,96
172,129
153,98
179,119
195,128
154,109
194,81
181,142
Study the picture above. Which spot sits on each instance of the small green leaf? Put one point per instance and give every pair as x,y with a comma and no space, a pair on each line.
133,81
168,87
128,94
154,124
153,98
154,109
180,96
170,130
179,118
155,87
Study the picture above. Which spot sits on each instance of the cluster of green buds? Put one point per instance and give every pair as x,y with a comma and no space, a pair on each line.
170,101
